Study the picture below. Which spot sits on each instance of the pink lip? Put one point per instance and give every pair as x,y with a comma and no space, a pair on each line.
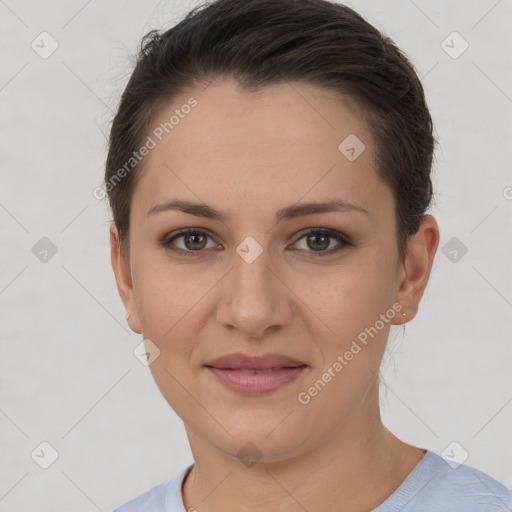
229,369
256,383
241,361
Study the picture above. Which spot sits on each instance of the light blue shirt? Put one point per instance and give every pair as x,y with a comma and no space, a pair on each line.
432,486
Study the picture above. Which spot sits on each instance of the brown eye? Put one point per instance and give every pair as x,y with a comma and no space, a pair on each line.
319,242
188,242
195,241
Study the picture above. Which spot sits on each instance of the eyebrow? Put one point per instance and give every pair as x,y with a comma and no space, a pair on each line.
289,212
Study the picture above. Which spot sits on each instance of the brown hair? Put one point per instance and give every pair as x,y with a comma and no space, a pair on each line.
265,42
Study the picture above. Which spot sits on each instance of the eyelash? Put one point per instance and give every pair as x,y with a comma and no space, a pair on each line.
343,240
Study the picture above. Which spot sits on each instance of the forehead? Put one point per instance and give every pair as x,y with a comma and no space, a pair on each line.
275,146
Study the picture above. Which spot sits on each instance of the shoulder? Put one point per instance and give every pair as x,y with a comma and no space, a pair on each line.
165,497
151,501
436,484
471,488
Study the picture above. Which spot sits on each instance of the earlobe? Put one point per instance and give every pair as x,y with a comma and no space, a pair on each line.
417,266
122,273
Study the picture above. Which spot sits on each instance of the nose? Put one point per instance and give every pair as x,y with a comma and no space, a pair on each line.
253,298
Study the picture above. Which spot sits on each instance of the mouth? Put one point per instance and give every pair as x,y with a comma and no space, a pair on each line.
252,376
254,362
254,370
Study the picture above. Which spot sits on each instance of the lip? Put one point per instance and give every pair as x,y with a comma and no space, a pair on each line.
255,375
247,383
241,361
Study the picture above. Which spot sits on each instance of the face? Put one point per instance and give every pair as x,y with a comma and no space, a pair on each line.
255,272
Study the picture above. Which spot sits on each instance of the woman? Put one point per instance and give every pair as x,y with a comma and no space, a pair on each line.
269,173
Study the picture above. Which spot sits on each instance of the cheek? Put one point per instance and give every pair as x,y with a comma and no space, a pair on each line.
166,297
351,296
351,302
169,304
352,352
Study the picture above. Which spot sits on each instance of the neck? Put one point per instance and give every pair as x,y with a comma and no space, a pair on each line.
359,466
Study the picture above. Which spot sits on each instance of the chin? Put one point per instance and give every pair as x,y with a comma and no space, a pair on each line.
257,442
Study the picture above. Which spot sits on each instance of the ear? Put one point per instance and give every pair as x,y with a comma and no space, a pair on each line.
122,272
415,269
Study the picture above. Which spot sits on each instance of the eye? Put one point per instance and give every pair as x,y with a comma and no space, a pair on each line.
318,241
193,241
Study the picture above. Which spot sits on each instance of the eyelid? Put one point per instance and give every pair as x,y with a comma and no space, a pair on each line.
325,231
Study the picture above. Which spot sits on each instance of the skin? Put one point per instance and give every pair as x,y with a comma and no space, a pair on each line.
248,155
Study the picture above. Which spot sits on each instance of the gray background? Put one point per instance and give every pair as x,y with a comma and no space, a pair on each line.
68,375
